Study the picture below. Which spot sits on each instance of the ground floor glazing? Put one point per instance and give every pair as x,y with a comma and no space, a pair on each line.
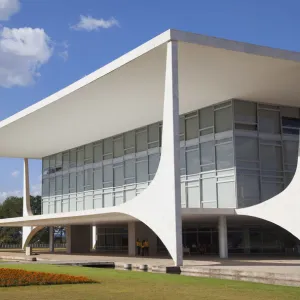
201,238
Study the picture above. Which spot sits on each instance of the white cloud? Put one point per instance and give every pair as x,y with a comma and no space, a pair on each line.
35,189
4,195
22,52
89,23
15,173
64,53
8,8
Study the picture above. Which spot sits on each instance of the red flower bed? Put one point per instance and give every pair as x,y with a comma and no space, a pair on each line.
11,277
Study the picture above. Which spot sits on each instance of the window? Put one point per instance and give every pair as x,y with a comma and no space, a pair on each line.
66,159
224,155
290,150
290,125
52,186
88,153
129,142
72,158
80,156
153,163
46,165
108,148
108,173
129,168
98,179
98,152
271,157
119,175
141,140
192,161
73,183
88,179
192,127
79,184
142,171
207,154
46,190
58,185
246,148
223,119
245,112
206,117
153,135
269,121
118,146
58,162
66,184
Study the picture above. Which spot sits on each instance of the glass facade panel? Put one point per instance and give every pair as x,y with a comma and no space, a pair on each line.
192,162
269,121
118,146
264,163
246,148
98,152
141,140
192,127
223,119
224,155
245,112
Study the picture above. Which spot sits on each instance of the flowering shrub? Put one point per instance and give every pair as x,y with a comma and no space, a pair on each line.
11,277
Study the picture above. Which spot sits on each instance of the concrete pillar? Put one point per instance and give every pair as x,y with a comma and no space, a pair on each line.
26,232
94,237
132,238
223,245
171,144
51,239
246,240
26,190
68,239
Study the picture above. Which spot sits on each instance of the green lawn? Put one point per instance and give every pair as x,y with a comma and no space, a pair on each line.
133,285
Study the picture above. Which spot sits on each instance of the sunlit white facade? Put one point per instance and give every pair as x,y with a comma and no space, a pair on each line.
186,140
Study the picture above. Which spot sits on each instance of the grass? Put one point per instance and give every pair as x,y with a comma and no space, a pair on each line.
125,285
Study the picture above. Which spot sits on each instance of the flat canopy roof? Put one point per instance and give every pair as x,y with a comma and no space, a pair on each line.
128,92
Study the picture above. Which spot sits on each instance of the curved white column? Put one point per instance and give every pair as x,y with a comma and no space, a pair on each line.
283,209
158,206
26,191
26,232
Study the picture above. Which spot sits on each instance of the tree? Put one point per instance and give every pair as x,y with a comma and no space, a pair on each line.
12,207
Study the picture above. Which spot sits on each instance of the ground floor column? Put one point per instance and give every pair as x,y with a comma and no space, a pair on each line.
51,239
94,237
132,238
246,240
223,245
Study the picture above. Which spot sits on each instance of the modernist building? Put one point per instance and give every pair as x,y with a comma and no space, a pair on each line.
186,140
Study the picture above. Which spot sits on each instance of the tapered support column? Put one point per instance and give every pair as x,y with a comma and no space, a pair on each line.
68,239
26,234
223,245
171,143
94,237
51,239
26,191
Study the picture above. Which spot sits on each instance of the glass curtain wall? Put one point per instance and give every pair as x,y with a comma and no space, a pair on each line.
266,149
233,154
115,170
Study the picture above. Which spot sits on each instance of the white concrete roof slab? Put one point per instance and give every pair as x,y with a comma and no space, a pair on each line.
128,93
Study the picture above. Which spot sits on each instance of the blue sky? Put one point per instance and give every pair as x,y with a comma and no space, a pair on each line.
48,44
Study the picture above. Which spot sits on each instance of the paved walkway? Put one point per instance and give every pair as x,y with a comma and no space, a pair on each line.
272,265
